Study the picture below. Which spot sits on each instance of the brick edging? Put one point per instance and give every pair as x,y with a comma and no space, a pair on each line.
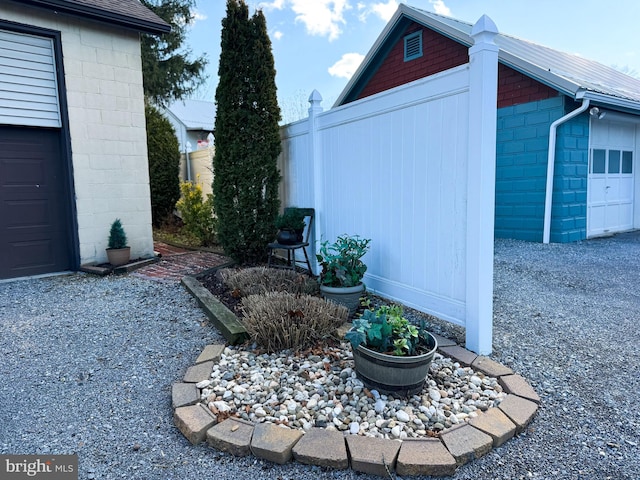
428,456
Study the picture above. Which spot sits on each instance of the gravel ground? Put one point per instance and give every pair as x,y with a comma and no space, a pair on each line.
87,365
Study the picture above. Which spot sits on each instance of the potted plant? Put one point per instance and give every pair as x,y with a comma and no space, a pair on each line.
290,225
390,353
343,270
118,252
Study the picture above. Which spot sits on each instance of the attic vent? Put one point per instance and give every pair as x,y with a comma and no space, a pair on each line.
412,46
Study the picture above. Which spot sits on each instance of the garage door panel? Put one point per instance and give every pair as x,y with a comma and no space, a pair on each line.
22,174
31,256
27,214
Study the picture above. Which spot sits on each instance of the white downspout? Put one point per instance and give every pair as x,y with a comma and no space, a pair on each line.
551,160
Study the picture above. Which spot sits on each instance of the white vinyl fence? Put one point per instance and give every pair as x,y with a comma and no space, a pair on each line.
412,168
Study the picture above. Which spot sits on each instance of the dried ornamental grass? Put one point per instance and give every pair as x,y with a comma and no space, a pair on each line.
279,320
258,280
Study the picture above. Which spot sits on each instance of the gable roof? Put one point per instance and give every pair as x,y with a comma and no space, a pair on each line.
571,75
194,114
126,13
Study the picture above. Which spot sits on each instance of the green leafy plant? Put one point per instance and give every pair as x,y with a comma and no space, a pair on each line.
291,219
117,237
197,213
341,261
386,330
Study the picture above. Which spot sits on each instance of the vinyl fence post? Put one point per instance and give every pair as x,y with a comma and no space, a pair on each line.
315,153
483,91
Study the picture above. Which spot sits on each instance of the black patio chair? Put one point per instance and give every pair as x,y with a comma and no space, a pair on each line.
292,262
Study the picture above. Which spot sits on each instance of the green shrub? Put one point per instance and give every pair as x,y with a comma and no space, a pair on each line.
117,237
164,165
197,213
279,321
247,137
257,280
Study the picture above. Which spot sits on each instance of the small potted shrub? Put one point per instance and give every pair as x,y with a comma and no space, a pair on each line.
390,353
290,225
118,252
343,270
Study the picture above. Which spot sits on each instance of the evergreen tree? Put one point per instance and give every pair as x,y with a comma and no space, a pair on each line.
167,72
247,138
164,165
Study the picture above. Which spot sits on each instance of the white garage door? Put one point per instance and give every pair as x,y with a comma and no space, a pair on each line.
612,163
28,86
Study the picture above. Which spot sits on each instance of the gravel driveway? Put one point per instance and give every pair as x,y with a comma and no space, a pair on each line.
87,364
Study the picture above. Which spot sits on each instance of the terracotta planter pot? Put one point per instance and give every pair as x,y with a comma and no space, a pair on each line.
118,256
394,374
347,296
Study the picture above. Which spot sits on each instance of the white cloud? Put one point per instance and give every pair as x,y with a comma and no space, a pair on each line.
440,8
274,5
321,17
197,16
381,9
346,66
385,10
278,34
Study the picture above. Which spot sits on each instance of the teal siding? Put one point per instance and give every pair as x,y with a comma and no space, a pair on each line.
521,170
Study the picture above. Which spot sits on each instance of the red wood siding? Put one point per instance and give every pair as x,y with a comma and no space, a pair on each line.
439,53
515,88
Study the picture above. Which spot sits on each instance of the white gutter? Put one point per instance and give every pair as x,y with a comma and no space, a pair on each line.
551,160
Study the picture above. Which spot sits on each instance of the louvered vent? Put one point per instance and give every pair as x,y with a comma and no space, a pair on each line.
413,46
28,86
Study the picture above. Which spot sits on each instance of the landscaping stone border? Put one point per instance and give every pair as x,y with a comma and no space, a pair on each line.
102,271
428,456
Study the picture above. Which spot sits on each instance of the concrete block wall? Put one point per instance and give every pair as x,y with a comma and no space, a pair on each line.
103,76
521,155
569,210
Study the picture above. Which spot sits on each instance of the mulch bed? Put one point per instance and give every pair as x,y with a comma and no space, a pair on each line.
213,283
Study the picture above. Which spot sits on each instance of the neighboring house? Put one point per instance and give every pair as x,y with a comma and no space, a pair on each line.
73,153
593,111
193,122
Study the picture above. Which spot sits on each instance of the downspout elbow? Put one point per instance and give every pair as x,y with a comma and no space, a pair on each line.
551,159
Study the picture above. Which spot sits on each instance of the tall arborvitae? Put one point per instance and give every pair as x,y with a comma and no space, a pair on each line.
247,139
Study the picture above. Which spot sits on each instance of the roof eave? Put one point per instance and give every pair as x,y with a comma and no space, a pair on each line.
624,104
370,55
103,16
406,12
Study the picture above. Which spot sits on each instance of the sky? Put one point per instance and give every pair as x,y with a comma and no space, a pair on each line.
318,44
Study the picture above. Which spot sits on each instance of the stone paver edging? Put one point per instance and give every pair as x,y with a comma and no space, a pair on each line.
428,456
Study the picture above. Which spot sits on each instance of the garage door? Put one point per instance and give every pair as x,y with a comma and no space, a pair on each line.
35,196
34,223
611,178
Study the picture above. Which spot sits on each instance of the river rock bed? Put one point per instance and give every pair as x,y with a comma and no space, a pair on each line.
321,389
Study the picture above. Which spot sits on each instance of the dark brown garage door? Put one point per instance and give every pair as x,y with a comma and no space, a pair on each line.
34,203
